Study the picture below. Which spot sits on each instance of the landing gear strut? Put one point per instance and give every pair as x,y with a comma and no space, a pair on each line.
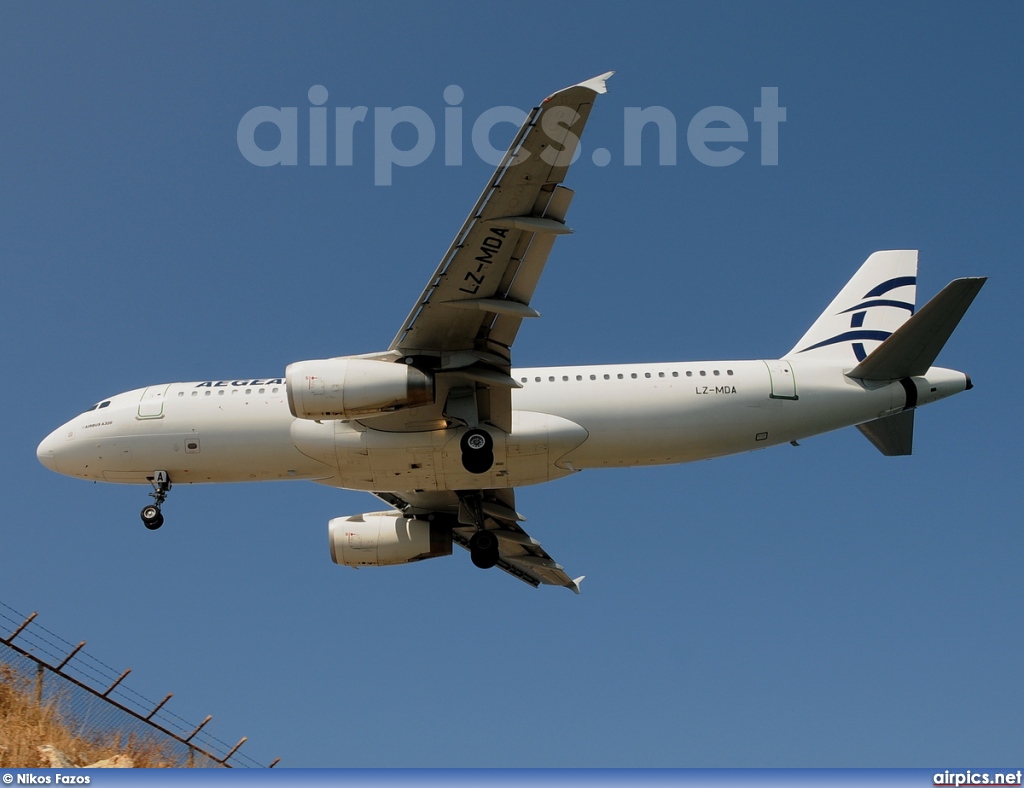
152,518
483,545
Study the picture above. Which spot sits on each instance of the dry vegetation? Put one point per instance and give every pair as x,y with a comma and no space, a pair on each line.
26,725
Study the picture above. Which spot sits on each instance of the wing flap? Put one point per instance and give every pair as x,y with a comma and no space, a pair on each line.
521,283
520,555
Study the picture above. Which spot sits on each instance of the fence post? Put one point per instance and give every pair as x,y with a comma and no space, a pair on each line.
68,658
39,683
24,624
234,749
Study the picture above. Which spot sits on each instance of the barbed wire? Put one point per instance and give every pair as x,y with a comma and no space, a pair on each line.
83,674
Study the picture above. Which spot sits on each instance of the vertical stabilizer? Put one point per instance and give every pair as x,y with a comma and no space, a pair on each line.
878,299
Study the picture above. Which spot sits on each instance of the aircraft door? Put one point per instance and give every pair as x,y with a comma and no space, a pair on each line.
151,406
783,381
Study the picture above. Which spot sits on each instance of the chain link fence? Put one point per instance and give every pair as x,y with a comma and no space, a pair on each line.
94,702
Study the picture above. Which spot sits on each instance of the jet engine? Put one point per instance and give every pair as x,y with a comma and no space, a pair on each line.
385,539
345,388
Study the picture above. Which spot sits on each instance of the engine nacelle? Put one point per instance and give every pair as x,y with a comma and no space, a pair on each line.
385,539
345,388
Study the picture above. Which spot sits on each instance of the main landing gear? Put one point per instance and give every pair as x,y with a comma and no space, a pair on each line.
483,549
152,518
483,545
477,451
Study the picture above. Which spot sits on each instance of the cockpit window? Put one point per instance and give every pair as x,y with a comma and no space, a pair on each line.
100,405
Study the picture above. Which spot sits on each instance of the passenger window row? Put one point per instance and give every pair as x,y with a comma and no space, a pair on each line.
207,392
622,376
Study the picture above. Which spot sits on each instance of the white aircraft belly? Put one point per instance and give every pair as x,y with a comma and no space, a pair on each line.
371,459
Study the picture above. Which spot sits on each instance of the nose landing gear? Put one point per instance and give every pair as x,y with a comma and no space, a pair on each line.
152,518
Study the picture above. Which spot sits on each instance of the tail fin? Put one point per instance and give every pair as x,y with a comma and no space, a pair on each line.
878,299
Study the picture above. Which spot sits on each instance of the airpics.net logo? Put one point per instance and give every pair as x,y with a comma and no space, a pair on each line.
716,136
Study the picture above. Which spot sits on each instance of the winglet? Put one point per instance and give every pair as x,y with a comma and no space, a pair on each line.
596,84
575,585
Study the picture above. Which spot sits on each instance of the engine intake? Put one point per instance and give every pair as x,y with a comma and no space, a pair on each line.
386,539
345,388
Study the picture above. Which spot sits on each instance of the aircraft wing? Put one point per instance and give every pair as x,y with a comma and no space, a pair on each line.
520,555
467,318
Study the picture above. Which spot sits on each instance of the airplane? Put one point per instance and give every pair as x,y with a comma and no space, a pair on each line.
443,429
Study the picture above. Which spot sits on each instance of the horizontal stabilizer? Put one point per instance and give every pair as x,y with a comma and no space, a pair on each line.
913,347
891,435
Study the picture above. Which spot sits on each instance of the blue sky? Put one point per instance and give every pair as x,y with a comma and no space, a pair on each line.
811,606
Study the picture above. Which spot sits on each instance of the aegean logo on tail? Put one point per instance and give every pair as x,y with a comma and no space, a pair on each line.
859,312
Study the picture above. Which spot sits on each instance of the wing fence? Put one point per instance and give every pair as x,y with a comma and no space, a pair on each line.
94,701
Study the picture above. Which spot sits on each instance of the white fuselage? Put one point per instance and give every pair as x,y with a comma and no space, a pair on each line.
565,419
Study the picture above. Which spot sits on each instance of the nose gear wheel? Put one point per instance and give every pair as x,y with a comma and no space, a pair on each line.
151,515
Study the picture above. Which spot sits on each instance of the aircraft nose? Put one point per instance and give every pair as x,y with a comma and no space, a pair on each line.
46,452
